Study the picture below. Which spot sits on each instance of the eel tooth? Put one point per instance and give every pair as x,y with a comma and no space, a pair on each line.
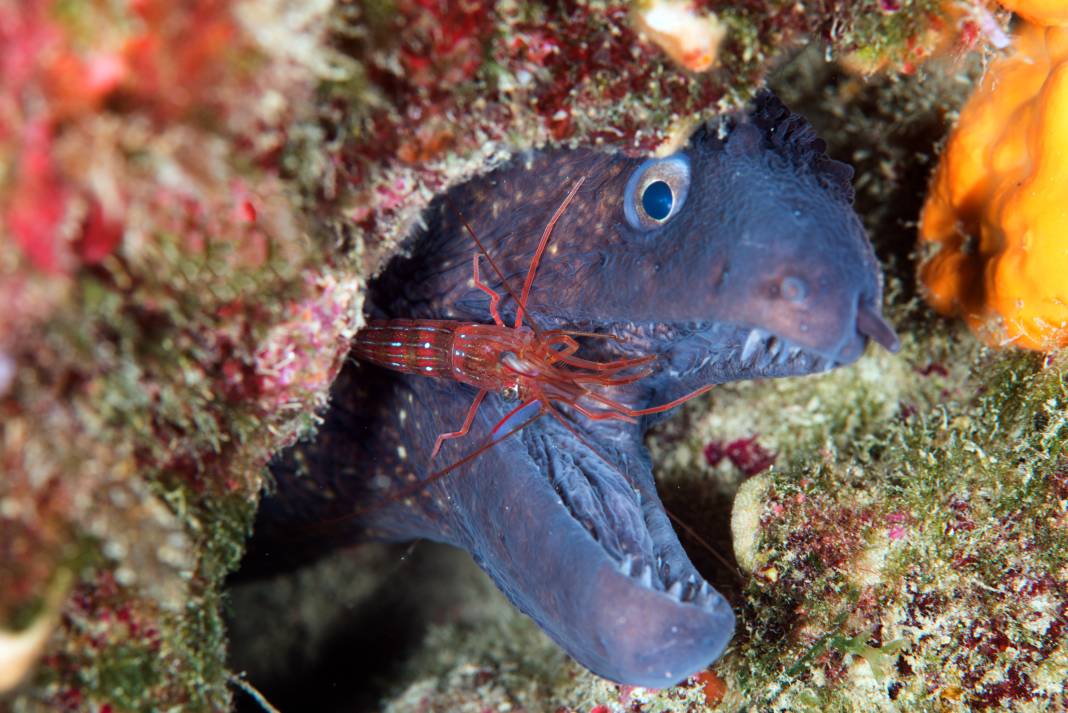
703,593
752,342
646,577
774,349
627,566
675,590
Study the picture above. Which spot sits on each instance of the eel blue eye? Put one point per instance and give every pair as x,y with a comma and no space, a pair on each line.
656,191
657,200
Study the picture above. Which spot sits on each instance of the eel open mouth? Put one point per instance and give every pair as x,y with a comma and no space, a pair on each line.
567,521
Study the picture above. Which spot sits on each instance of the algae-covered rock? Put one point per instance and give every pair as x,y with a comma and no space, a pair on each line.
169,323
929,562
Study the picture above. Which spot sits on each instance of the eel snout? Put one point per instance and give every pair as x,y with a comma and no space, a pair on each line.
806,314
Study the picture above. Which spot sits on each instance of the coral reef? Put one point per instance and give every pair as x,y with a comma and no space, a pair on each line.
919,573
995,219
434,92
190,197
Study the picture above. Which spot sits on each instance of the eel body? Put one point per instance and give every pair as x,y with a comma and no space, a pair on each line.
738,257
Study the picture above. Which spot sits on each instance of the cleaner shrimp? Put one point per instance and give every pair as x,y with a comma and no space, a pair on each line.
522,363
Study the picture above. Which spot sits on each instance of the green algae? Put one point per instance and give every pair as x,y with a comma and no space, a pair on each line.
967,480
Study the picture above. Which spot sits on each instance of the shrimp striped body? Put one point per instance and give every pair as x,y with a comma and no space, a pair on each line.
467,352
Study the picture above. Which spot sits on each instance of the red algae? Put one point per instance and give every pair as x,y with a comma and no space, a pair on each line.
746,454
39,204
712,686
437,89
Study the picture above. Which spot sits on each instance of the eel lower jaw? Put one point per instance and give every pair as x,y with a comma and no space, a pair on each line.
623,627
654,639
647,617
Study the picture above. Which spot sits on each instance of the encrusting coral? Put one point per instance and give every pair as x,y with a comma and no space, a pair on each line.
996,218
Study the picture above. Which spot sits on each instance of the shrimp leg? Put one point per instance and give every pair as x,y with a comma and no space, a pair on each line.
516,410
495,299
634,412
464,428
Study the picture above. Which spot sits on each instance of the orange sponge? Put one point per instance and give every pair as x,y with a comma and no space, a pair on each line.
1042,12
997,211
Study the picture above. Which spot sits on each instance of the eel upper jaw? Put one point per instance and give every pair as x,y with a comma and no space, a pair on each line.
723,352
586,550
747,351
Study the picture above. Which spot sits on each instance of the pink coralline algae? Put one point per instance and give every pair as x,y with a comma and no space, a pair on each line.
746,454
60,220
298,359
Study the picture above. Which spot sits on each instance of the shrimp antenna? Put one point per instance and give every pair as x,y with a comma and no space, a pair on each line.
541,249
545,235
732,568
485,253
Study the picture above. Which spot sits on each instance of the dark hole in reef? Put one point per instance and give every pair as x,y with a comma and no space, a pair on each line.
337,636
700,509
706,511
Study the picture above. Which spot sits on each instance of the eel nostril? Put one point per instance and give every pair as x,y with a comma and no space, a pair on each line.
871,324
793,289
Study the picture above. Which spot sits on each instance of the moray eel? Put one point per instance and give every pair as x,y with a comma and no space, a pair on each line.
738,257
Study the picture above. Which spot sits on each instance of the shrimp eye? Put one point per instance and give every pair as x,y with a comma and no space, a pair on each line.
656,191
793,289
